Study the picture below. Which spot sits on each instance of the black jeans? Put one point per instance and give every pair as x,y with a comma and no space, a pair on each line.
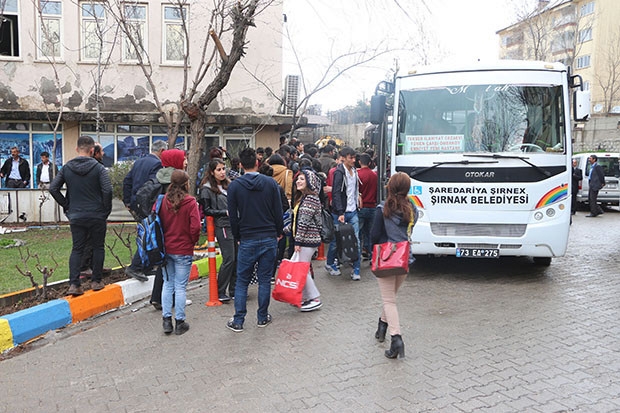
80,231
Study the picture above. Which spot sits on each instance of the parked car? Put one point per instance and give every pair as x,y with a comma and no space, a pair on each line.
610,194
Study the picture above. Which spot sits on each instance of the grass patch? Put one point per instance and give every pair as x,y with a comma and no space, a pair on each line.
56,243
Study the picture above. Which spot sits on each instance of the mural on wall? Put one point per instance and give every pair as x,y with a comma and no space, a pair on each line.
44,142
9,140
131,148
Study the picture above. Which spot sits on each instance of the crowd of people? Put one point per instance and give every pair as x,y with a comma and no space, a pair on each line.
266,206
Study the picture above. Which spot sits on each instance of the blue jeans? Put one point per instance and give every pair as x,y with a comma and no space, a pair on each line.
250,252
366,217
353,219
176,275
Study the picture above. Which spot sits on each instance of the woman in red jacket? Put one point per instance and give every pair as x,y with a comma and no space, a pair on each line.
180,220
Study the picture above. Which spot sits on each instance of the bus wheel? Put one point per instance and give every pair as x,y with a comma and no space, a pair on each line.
542,261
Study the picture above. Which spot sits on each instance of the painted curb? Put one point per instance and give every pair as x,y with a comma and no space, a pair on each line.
24,325
134,290
95,302
6,336
31,322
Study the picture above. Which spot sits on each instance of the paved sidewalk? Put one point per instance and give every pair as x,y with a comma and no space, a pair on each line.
494,336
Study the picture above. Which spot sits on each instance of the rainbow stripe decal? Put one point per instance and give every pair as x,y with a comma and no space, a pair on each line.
416,201
556,194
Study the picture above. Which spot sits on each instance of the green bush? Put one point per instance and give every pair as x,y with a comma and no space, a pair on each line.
117,173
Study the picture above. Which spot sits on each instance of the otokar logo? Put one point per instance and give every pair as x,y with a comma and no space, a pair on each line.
480,174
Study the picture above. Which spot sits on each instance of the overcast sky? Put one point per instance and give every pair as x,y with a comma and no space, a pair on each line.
320,28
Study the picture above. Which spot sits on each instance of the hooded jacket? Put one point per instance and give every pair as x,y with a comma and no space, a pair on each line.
254,207
142,170
89,190
284,177
215,205
181,229
339,190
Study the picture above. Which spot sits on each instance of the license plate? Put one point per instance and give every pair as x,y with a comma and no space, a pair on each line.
477,253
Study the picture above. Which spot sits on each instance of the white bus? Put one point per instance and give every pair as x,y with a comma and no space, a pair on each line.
488,150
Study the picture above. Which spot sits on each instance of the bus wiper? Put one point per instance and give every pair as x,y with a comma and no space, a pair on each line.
524,159
436,164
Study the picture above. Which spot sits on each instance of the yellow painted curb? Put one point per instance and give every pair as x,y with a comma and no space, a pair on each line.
6,336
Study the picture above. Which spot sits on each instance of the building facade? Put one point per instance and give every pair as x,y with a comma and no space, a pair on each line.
68,69
583,34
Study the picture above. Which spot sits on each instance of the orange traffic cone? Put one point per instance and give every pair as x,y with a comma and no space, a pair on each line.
321,254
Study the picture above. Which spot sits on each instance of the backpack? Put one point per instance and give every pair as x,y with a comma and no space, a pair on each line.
146,196
150,238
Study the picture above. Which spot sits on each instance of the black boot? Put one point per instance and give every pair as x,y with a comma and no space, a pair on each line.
168,325
181,327
397,348
381,330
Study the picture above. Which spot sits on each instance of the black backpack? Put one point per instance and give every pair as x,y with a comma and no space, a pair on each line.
146,197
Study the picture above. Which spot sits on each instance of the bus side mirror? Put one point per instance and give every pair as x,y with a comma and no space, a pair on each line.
581,105
377,109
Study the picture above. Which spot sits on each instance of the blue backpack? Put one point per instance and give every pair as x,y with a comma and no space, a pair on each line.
150,238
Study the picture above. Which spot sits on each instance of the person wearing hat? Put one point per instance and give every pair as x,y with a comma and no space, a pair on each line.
306,230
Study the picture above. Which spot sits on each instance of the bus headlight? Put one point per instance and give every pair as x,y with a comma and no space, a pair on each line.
550,212
420,213
538,216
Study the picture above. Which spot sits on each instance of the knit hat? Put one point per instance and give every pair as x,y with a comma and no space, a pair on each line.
312,180
173,158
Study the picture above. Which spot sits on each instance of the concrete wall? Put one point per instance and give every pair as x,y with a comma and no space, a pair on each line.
599,134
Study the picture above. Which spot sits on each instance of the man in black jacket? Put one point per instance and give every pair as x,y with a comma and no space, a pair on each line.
16,170
46,171
87,204
576,178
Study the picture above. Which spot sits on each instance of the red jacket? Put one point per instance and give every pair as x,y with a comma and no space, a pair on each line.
368,187
181,230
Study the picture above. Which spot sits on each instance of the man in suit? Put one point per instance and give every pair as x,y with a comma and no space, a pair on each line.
596,182
577,177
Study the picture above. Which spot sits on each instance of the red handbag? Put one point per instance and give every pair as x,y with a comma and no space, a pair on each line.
290,282
390,258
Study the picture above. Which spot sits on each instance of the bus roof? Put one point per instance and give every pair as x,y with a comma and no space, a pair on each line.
488,65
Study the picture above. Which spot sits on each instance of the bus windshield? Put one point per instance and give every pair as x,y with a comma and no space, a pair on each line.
481,119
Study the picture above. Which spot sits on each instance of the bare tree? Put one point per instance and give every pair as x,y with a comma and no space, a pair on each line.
608,77
227,18
536,30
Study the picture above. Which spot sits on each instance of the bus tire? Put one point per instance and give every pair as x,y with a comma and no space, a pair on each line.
542,261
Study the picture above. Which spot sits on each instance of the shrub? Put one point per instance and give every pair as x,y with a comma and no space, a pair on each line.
117,173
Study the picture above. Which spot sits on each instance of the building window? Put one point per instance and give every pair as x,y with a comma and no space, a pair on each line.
585,35
583,61
586,85
136,38
174,41
9,33
93,20
587,8
50,29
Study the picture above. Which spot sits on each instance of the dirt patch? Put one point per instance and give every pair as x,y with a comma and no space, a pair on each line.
55,292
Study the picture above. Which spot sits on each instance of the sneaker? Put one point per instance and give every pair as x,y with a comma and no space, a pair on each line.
355,276
188,302
332,269
138,275
97,285
311,305
224,298
181,327
237,328
265,322
75,290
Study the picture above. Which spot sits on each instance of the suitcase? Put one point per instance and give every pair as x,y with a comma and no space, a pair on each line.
346,244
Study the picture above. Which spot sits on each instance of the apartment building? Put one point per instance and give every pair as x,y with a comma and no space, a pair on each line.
70,61
583,34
